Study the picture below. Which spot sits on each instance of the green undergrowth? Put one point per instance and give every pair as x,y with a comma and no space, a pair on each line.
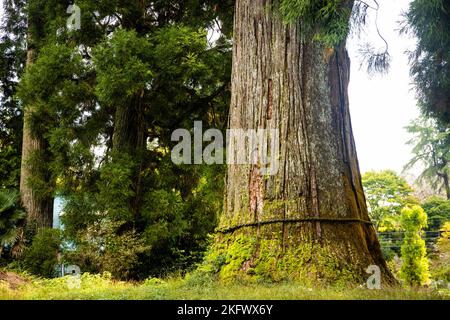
197,286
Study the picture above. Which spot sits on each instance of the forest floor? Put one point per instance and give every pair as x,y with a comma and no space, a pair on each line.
97,287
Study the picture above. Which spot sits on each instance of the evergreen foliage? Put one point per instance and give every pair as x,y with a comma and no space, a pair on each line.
83,82
12,61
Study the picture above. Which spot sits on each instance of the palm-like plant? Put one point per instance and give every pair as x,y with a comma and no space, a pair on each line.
11,219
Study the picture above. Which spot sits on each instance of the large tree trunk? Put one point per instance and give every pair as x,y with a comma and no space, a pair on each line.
39,209
310,220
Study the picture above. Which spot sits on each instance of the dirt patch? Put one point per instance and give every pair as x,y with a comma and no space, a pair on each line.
12,279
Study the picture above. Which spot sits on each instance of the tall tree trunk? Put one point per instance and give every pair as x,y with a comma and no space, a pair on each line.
130,128
39,209
312,214
129,138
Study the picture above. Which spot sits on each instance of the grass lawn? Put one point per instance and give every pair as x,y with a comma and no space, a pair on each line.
94,287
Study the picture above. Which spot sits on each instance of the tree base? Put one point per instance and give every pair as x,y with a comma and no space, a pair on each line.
273,254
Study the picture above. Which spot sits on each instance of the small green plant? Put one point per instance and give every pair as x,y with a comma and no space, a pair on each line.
414,269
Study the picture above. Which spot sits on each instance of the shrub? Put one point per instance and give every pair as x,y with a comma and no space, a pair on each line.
414,269
42,256
441,265
105,247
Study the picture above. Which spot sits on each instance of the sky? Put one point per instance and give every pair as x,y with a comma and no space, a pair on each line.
381,106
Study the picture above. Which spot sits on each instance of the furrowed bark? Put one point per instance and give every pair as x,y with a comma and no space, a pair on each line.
283,80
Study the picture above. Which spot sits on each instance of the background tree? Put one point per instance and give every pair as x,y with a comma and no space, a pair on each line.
36,183
387,194
438,211
12,61
105,101
431,149
414,270
429,22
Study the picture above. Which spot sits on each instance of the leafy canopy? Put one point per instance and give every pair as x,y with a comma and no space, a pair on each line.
387,194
